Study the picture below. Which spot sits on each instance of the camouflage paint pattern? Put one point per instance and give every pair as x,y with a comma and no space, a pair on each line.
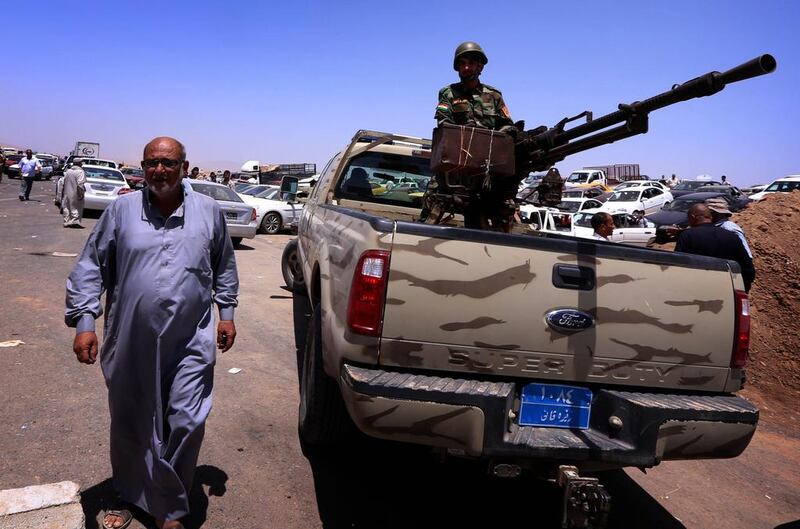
484,312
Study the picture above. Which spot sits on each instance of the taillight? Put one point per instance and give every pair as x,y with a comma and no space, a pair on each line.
253,215
741,342
123,190
368,293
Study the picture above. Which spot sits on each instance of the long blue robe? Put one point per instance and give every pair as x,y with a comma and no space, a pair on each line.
160,277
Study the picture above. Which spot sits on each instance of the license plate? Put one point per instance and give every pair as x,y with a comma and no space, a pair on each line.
230,215
555,406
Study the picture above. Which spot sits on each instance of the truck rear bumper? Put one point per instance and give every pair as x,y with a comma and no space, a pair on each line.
477,418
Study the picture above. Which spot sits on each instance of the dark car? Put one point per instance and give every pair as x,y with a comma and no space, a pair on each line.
12,159
676,213
740,199
691,186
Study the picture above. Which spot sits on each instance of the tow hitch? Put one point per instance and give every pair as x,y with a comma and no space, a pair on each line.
586,502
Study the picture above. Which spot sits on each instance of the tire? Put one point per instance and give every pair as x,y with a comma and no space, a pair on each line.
271,223
323,421
291,269
236,241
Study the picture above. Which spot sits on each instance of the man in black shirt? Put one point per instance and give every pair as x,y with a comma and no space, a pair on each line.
703,238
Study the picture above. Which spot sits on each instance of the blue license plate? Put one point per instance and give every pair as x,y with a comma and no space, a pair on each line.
555,406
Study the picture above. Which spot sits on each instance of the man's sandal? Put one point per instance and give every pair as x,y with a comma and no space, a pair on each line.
123,513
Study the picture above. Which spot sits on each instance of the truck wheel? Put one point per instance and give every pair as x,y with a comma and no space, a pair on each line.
271,224
323,421
292,271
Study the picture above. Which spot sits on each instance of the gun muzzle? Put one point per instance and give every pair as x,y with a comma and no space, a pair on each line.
753,68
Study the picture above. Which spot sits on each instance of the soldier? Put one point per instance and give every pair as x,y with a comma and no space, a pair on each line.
468,102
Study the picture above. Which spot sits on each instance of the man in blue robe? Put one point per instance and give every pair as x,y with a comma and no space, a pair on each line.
162,256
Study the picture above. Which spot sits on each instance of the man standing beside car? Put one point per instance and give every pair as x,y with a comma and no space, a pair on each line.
603,224
73,189
29,167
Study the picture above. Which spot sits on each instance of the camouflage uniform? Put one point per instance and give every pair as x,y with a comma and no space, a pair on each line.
482,107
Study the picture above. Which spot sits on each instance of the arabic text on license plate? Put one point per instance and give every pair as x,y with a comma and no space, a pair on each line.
230,215
555,406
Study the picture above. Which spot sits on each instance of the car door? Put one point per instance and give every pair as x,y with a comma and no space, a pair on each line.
654,200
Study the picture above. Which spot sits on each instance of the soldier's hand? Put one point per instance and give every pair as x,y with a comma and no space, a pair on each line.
85,347
226,334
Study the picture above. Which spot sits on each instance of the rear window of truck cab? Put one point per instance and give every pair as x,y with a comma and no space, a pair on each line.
385,178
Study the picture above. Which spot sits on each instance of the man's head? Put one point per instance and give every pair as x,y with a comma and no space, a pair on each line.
195,172
28,153
603,224
724,179
226,175
699,214
77,162
469,60
164,164
674,177
718,208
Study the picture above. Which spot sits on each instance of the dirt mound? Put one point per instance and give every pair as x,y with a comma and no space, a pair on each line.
772,227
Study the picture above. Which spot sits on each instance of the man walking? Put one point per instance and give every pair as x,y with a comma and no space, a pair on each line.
703,238
29,167
73,188
163,256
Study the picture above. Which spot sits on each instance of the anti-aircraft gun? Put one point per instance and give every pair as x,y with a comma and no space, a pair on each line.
472,165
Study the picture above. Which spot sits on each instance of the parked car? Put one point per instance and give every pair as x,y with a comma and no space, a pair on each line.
134,176
676,213
643,199
91,161
45,174
628,230
641,183
782,185
11,159
595,192
240,217
740,200
103,186
273,213
691,186
573,205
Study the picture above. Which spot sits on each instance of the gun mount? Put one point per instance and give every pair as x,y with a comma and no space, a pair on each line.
486,199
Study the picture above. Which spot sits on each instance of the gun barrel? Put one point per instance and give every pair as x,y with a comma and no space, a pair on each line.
753,68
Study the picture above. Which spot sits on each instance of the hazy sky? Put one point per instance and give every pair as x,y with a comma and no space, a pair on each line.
292,82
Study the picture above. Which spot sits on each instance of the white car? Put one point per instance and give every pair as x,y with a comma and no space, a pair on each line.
273,214
573,205
305,184
103,186
627,230
239,217
781,185
641,183
645,199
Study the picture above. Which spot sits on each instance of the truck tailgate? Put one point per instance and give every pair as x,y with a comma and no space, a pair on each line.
470,301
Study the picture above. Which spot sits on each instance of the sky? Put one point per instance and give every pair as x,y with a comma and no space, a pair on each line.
292,82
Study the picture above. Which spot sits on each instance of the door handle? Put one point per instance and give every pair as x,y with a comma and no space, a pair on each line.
573,277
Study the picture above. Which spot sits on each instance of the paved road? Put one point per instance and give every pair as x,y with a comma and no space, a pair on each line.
54,423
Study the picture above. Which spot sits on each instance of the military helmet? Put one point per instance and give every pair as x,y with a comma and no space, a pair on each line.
468,47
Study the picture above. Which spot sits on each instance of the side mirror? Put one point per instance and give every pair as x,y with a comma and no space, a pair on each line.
289,188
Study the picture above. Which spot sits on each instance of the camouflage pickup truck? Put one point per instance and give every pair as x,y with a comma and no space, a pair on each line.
532,351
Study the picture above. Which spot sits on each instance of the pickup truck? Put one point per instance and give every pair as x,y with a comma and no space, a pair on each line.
533,351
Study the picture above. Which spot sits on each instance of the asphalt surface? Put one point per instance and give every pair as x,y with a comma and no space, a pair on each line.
252,473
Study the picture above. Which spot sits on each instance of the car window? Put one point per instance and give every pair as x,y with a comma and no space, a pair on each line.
217,192
385,178
105,174
269,194
591,193
783,187
624,196
591,204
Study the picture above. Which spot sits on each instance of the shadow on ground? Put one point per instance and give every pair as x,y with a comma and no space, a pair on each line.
98,498
386,485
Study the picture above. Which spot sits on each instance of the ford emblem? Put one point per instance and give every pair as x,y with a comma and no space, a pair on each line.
569,320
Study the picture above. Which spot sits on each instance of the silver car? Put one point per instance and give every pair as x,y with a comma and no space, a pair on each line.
241,218
103,186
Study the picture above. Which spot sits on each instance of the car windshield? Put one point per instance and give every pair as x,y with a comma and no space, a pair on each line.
568,206
572,194
223,193
691,185
14,157
105,174
682,204
578,178
130,171
385,178
624,196
271,193
255,190
783,187
584,220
